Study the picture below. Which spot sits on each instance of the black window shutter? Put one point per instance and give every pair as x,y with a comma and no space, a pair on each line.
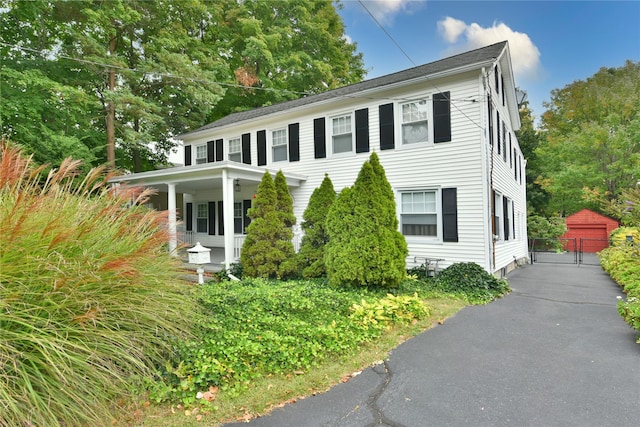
246,148
189,217
319,139
496,78
187,155
505,216
211,151
212,218
498,130
262,147
387,133
219,150
246,205
221,218
294,142
513,224
449,215
441,117
490,116
503,91
362,130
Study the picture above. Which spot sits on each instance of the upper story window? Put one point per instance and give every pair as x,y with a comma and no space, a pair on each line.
415,123
235,150
279,145
342,134
201,154
419,213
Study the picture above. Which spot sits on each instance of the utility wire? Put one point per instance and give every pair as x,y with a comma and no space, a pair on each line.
411,60
387,33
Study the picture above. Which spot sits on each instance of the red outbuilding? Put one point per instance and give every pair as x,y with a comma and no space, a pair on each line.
590,229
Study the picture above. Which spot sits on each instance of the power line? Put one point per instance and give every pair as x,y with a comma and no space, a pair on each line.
387,33
411,60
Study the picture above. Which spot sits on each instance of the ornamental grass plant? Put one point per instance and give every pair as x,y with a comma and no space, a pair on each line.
90,303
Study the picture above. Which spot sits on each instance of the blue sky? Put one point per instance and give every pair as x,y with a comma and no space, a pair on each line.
553,43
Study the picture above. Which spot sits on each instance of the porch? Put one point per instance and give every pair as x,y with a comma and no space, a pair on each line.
228,183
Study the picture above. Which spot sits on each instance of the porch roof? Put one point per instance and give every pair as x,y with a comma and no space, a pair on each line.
203,176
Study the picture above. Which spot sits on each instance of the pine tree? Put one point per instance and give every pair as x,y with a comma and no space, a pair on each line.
268,251
365,246
311,255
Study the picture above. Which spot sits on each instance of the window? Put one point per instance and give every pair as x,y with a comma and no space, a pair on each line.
419,215
415,123
279,144
497,215
202,217
342,136
201,154
237,217
235,150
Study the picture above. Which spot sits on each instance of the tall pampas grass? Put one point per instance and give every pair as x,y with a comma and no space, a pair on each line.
90,301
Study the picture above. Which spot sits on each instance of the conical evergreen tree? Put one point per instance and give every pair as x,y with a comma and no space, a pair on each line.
311,255
365,247
267,250
284,202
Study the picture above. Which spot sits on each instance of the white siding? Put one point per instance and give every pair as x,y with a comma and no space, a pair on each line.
460,163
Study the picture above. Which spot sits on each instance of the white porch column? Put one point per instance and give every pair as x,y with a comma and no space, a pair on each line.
171,201
227,201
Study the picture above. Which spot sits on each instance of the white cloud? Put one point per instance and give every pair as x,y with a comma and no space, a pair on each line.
525,56
385,11
451,28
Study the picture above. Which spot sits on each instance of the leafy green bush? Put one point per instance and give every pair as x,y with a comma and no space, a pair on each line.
618,237
389,310
259,327
89,296
622,263
471,280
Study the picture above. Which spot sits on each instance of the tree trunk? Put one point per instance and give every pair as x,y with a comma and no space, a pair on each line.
111,112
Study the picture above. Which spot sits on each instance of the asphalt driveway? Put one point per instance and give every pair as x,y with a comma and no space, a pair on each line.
554,352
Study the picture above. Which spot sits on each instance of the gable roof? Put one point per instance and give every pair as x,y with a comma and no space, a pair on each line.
478,57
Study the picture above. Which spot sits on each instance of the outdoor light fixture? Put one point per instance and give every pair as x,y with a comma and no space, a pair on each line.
236,186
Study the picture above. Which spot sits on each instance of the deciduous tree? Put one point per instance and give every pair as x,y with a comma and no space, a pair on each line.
593,139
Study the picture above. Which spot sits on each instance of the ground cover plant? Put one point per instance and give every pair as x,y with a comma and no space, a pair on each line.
286,336
89,300
260,327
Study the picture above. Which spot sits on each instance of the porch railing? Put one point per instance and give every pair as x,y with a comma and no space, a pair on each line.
238,241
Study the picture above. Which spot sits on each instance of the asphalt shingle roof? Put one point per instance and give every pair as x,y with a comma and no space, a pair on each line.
482,55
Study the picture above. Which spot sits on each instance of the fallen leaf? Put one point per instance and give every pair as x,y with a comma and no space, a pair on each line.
199,418
298,372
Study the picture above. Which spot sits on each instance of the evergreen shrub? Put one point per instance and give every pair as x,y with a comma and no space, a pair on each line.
268,249
365,246
311,254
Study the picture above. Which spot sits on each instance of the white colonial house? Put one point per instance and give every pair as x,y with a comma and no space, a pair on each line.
444,132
